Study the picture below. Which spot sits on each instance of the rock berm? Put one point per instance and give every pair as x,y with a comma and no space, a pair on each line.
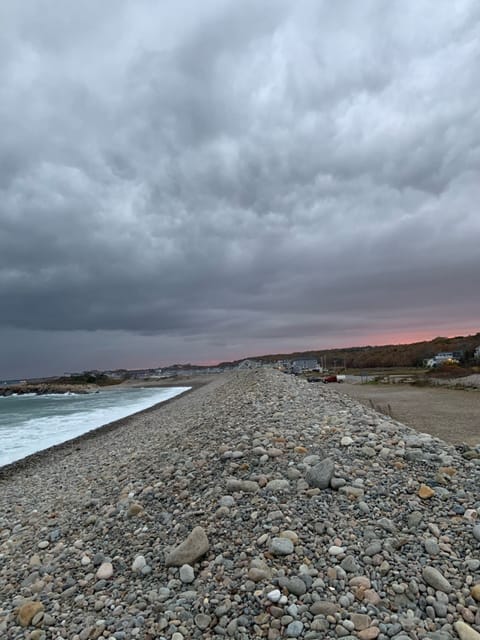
257,506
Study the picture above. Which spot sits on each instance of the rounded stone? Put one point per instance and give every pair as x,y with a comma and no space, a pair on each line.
294,629
187,575
281,546
105,571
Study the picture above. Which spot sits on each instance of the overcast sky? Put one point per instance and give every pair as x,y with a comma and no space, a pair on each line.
186,181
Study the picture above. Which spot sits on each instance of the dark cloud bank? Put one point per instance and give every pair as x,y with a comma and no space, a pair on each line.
200,181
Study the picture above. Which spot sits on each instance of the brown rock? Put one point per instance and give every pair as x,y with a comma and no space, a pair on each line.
368,634
134,509
449,471
360,621
27,612
360,581
194,547
475,592
371,596
324,607
300,450
425,492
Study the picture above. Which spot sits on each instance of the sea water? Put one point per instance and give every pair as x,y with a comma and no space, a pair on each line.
30,423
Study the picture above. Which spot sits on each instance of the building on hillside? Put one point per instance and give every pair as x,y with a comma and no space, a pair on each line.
445,357
249,364
304,364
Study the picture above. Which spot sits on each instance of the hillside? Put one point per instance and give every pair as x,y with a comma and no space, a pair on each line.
392,355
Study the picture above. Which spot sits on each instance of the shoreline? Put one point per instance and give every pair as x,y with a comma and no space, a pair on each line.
66,447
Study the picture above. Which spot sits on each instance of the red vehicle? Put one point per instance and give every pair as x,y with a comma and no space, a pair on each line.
338,378
330,379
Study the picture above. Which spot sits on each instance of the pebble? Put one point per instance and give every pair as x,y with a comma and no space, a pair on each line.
105,571
425,492
203,621
294,629
138,564
187,574
281,546
275,595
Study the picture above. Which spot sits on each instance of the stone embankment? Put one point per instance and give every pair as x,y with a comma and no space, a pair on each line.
43,389
257,506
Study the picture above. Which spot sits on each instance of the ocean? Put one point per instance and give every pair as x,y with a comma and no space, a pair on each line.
30,423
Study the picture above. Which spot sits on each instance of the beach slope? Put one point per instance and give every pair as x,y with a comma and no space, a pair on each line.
255,506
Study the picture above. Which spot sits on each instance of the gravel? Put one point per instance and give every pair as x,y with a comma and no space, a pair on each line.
209,517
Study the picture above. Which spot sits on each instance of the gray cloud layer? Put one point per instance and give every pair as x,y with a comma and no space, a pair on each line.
185,180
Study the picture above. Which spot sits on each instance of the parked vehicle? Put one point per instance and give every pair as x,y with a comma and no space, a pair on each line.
333,378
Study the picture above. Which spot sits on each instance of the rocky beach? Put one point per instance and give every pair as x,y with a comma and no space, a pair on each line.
256,506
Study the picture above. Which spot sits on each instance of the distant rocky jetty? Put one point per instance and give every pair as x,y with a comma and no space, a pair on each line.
42,389
258,506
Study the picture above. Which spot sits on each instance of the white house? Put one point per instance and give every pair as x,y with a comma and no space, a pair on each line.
443,357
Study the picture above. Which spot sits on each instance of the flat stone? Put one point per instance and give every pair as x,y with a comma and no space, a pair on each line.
476,531
281,546
368,634
320,475
278,485
202,620
324,607
335,550
194,547
294,629
431,547
257,575
360,621
436,580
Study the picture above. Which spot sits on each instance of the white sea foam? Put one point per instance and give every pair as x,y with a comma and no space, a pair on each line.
31,423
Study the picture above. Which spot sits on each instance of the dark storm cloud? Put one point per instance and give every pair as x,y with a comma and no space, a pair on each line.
224,176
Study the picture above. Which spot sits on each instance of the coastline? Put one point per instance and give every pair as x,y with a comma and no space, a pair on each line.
66,448
257,505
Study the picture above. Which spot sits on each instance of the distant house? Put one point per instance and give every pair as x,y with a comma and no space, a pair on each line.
445,357
305,364
249,364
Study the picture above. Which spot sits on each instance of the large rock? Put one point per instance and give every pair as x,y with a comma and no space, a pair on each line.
320,475
465,631
281,546
434,578
28,611
194,547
